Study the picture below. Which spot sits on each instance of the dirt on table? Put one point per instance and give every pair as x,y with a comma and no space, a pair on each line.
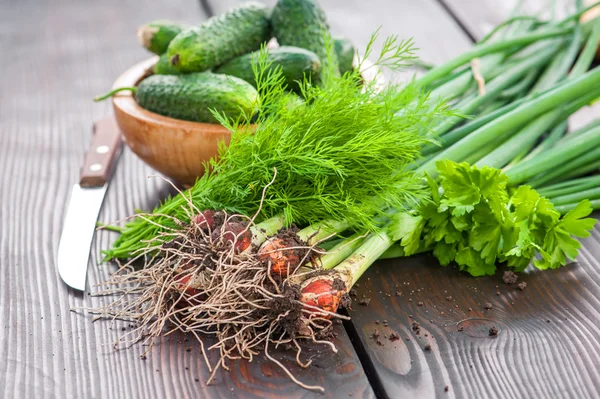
509,277
364,301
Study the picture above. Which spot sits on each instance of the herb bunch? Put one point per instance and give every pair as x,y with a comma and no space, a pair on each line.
472,219
342,153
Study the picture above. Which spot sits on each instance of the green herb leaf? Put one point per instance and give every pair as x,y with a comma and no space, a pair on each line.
342,154
559,243
475,223
407,229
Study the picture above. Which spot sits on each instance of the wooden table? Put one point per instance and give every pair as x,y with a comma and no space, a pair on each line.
57,55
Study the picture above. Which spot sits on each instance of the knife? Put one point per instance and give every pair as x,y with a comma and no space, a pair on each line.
85,203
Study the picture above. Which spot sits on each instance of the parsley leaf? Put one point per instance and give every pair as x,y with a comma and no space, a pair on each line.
559,243
472,220
407,229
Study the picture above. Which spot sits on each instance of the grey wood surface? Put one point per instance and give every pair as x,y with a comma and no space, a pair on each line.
59,54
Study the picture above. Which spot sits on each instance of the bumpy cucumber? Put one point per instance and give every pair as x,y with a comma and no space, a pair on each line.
345,51
302,23
157,35
191,97
164,67
296,64
221,38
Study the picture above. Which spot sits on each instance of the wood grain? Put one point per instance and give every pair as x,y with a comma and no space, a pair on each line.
547,346
62,54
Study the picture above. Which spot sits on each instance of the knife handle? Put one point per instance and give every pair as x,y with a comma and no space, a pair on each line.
99,159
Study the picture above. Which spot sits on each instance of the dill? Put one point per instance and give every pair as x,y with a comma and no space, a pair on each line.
344,152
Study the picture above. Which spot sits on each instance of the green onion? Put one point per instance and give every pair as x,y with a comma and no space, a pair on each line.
554,157
595,203
570,186
516,118
592,193
463,131
578,165
481,50
495,87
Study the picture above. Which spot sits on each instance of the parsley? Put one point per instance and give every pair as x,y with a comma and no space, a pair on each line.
472,219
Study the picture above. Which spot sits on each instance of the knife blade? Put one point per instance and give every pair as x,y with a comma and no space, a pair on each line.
85,203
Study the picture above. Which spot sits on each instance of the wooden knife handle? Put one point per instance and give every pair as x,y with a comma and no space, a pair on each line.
102,154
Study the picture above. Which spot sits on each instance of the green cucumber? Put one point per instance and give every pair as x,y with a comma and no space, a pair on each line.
221,38
296,64
345,52
164,67
302,23
156,35
191,97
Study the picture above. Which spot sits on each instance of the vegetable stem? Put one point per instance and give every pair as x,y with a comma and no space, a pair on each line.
113,92
495,87
266,228
481,50
554,157
371,249
341,251
579,164
320,231
516,118
595,203
592,193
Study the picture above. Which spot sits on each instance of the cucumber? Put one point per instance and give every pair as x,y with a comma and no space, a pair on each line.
157,35
302,23
296,64
345,52
221,38
164,67
190,97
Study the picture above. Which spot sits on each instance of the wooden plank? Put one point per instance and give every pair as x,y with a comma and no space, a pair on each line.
479,17
62,54
547,346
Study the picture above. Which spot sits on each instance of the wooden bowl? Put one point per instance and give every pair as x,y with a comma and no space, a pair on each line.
175,148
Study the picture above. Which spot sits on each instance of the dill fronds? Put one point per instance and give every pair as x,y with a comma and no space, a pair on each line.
342,153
